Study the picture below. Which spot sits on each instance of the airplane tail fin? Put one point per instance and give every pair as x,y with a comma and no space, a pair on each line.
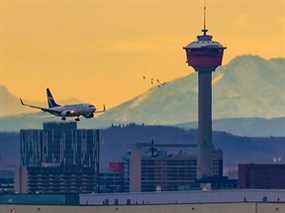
50,100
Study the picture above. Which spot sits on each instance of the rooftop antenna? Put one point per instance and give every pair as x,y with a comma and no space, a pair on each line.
205,17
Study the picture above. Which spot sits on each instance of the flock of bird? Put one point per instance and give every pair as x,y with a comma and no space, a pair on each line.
154,82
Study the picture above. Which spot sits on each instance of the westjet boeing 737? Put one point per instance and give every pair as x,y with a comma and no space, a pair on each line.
76,110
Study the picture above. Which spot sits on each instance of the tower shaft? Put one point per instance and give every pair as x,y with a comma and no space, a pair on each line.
205,144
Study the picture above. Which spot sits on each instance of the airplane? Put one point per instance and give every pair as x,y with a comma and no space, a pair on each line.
76,110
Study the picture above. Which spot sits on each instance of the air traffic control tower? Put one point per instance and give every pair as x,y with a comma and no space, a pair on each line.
205,55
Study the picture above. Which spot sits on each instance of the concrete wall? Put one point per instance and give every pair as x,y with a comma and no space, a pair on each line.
188,208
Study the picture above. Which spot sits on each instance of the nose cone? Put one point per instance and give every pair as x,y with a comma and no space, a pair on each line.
92,108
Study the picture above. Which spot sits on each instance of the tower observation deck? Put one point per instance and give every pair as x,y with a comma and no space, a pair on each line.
205,55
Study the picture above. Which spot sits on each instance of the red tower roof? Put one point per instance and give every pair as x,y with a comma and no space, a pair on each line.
204,54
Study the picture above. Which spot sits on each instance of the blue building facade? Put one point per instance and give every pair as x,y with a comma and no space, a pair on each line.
60,159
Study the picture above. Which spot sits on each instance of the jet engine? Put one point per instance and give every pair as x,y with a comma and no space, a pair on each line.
66,113
89,115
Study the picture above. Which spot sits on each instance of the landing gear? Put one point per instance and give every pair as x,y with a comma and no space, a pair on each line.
77,119
63,118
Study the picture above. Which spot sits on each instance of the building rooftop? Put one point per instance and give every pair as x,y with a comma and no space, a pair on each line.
167,151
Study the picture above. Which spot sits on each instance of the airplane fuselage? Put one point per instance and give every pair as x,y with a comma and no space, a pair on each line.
75,110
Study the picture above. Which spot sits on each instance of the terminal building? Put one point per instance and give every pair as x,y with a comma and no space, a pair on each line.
58,159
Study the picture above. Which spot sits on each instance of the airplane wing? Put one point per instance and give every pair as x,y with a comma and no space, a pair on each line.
100,111
37,107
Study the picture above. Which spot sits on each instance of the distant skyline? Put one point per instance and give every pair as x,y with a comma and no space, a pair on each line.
98,51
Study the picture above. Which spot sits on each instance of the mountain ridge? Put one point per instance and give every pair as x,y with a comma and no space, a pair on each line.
248,87
234,95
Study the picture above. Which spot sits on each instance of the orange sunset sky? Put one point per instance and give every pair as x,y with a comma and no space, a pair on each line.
98,50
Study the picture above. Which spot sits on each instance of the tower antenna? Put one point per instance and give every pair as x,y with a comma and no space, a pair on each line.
205,18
